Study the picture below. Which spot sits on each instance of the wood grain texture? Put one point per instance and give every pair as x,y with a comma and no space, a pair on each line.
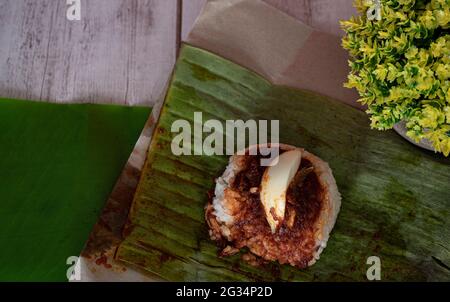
191,9
121,51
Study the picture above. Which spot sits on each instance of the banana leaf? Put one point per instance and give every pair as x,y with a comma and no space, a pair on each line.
58,164
395,196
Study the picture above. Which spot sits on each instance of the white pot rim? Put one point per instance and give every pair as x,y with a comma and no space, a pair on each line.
400,128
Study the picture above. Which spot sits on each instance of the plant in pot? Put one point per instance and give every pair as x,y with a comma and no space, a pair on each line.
400,65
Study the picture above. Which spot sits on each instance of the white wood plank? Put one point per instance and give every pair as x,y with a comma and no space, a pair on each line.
122,51
23,47
190,11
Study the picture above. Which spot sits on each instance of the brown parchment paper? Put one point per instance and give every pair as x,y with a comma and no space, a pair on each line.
257,36
275,45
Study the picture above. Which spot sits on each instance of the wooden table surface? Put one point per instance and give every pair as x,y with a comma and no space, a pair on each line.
121,51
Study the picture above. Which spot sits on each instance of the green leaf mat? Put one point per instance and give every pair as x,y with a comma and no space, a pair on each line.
58,165
396,197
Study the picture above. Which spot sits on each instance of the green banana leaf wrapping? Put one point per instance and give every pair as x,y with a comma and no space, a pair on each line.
58,164
395,196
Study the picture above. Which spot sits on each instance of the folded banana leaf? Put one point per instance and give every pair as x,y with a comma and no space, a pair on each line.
395,196
58,165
